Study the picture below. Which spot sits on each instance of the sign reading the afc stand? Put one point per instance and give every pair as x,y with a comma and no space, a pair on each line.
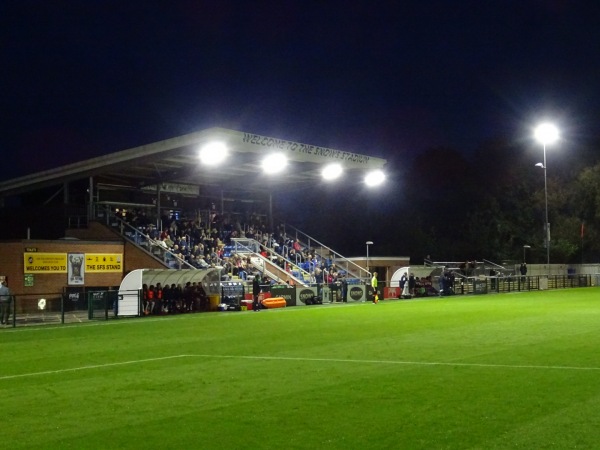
103,262
45,262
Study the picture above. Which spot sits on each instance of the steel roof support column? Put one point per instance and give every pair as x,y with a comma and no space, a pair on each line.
271,230
158,221
91,200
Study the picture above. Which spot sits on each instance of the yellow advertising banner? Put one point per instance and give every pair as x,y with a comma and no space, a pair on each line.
45,262
103,262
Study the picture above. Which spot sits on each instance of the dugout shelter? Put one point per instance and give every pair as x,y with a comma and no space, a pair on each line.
129,296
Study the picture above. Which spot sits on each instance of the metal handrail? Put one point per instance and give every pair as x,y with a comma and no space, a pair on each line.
491,263
239,245
139,238
345,260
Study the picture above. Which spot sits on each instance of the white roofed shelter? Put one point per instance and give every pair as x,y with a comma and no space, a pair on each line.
218,160
129,290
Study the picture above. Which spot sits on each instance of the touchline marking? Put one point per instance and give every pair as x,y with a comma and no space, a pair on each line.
408,363
290,358
96,366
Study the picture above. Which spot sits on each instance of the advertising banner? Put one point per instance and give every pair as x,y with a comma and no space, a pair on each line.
357,293
305,295
76,269
45,262
391,292
73,264
103,262
285,291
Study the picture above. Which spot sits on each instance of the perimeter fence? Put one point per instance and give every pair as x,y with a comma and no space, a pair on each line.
518,283
76,305
63,307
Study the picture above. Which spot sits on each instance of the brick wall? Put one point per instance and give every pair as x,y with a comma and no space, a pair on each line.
12,266
136,258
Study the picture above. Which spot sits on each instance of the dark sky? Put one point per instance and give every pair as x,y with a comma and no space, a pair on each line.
388,78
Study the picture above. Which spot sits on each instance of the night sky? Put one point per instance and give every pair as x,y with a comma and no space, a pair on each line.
390,79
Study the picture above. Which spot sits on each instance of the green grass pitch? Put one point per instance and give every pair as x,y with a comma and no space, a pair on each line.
480,372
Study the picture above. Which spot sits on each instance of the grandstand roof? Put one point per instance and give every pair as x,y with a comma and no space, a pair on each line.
176,160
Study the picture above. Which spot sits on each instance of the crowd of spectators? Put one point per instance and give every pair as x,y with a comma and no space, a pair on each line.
211,243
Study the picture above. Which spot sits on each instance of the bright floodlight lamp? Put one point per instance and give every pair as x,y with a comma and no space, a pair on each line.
274,163
374,178
331,172
213,153
546,133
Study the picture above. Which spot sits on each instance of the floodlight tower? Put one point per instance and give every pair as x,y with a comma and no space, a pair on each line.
546,133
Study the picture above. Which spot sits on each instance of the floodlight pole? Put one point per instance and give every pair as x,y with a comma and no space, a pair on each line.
546,133
368,243
547,222
525,247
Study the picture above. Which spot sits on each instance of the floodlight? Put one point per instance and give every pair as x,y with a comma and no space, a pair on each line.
331,171
274,163
374,178
213,153
546,133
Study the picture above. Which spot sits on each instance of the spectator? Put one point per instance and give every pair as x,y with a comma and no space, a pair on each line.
403,280
493,279
411,284
255,292
523,271
5,300
344,283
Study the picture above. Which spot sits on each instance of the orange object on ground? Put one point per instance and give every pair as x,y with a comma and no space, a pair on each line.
274,302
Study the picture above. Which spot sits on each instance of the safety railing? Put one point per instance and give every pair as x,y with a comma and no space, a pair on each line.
141,238
519,283
266,264
330,256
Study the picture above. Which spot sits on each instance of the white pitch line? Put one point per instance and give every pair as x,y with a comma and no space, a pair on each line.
285,358
408,363
95,366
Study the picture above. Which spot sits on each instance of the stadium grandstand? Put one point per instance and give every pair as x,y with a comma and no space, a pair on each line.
175,204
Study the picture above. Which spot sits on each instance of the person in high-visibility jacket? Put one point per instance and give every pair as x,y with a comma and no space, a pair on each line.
374,286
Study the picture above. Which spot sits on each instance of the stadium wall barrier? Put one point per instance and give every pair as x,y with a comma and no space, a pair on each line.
101,303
